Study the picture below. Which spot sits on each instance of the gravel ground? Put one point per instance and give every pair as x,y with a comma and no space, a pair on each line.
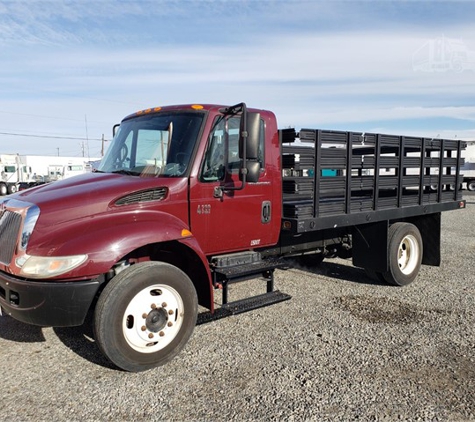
343,348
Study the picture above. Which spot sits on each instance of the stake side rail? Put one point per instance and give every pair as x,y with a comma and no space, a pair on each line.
336,177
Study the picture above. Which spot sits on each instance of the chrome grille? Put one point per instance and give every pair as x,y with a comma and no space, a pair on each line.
10,223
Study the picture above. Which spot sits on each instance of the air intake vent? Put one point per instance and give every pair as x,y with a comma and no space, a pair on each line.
144,196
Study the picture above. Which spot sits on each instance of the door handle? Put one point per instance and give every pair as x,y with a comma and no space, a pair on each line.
266,212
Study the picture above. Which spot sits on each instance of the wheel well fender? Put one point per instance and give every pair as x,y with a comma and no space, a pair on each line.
107,239
186,255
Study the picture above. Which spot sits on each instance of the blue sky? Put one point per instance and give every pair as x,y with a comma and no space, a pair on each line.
70,70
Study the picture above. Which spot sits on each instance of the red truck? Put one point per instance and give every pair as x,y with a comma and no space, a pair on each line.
191,198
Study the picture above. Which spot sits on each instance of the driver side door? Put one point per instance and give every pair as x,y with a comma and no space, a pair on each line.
233,221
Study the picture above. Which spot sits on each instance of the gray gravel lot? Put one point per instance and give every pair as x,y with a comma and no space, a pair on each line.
343,348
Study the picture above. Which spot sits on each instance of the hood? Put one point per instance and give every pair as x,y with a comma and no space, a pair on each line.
90,194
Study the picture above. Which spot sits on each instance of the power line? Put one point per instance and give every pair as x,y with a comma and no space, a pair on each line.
51,117
50,136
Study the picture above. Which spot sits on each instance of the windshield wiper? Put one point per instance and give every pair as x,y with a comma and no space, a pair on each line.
127,172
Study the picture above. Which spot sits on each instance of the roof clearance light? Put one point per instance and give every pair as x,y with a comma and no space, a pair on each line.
197,107
157,108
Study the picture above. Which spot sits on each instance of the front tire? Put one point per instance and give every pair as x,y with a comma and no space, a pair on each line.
145,316
471,185
405,254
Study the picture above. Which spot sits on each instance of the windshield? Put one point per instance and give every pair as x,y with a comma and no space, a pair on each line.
153,145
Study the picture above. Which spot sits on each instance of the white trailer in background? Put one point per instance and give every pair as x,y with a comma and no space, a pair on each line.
51,168
468,169
24,171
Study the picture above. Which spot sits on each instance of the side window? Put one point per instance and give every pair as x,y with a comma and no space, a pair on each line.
223,150
213,166
233,150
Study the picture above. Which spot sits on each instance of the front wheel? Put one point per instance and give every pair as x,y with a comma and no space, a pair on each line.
471,185
145,316
405,254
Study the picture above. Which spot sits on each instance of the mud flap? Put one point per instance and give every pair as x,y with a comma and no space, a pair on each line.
429,227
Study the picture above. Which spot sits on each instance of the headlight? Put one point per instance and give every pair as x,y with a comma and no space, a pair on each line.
49,266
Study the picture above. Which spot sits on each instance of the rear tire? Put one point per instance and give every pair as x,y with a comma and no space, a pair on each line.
145,316
405,254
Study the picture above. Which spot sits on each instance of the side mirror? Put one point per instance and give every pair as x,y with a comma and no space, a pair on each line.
253,171
249,135
114,129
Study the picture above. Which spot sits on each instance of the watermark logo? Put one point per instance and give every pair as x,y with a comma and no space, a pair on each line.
443,55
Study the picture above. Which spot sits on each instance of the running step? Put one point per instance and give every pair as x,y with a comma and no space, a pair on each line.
243,305
249,270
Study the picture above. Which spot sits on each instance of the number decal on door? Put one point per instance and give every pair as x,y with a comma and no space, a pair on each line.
204,209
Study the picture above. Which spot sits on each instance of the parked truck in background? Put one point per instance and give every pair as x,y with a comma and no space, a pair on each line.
189,199
12,172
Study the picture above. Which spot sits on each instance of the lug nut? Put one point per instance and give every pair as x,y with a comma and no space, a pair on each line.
164,305
169,324
144,315
153,306
150,335
161,333
143,328
170,312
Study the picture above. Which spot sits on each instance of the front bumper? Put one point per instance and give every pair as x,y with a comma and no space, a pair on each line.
55,304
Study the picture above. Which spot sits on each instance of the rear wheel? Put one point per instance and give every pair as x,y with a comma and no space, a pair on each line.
471,185
405,254
145,316
12,188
